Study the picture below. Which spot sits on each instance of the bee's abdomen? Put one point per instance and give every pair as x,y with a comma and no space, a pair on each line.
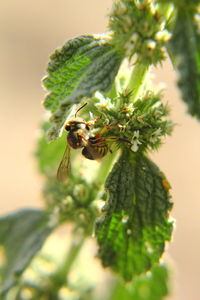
95,151
87,154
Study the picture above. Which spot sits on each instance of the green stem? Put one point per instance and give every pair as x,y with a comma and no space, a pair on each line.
71,256
136,79
104,168
59,278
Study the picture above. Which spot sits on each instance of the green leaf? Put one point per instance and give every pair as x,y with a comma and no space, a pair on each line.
78,69
135,225
185,49
22,234
151,286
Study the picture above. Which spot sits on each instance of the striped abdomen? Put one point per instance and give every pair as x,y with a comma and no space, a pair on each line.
95,149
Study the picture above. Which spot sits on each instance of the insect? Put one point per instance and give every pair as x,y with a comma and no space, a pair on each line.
94,147
76,138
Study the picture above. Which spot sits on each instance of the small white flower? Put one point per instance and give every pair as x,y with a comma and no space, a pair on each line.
155,135
151,44
135,141
103,102
163,35
128,108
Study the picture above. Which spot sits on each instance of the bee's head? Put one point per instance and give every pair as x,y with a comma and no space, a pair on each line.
76,125
67,127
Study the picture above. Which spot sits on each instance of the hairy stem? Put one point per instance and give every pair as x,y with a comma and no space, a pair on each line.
136,79
104,169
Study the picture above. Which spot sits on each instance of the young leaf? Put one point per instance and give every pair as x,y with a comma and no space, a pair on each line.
78,69
22,234
151,286
185,49
135,224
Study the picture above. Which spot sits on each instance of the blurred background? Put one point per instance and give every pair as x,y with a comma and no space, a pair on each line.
29,32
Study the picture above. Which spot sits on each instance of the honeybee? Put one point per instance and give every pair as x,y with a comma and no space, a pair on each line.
94,147
76,138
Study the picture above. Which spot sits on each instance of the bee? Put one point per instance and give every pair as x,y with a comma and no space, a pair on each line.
76,138
94,148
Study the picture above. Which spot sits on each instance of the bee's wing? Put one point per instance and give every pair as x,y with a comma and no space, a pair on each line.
65,166
71,112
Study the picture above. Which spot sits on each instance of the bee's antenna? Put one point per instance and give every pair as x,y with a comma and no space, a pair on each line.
80,109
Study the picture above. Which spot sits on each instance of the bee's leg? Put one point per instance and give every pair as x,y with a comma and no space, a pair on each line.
84,140
115,139
93,122
123,140
106,129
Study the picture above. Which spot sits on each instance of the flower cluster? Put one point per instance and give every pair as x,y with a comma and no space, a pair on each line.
141,123
140,30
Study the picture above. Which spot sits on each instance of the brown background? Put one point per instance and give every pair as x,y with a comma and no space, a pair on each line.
29,32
